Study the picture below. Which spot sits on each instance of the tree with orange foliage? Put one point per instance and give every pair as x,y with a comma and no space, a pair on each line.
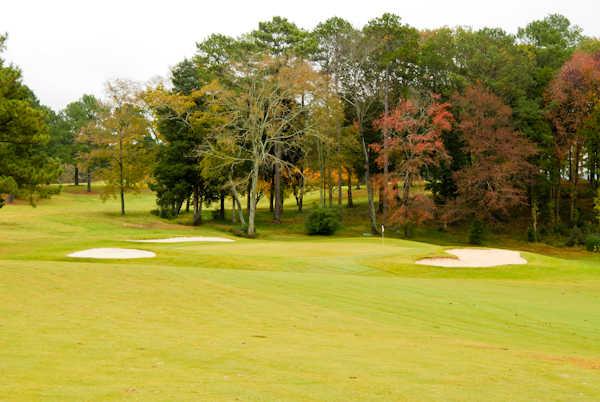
574,95
495,179
414,143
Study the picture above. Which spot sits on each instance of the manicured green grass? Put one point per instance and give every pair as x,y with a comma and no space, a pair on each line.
281,317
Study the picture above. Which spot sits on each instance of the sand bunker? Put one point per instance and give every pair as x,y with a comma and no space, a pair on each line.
186,240
112,253
476,258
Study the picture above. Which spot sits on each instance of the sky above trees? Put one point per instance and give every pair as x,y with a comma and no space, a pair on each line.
66,48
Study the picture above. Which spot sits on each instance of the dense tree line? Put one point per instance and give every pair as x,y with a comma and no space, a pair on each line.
501,128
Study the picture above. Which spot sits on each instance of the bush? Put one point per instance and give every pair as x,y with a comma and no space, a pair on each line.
576,237
323,221
592,243
164,213
476,232
48,191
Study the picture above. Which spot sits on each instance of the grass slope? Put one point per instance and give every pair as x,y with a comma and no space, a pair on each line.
283,317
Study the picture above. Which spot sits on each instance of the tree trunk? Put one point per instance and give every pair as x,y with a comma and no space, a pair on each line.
534,220
381,200
222,206
121,178
350,203
555,190
240,211
372,215
557,202
330,187
76,175
301,197
236,199
232,210
590,168
574,182
272,192
594,168
122,201
252,204
386,108
187,204
89,181
197,204
321,174
178,208
281,203
406,191
339,184
570,164
277,186
248,196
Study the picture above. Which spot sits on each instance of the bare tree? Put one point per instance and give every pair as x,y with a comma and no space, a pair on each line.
359,88
263,117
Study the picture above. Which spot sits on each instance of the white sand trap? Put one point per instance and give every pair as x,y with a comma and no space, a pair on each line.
186,240
112,253
476,258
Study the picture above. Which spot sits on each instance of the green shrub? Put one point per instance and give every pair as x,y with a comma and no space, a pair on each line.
592,243
48,191
476,232
164,213
576,237
323,221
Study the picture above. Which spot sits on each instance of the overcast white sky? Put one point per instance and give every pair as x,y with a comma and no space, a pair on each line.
70,47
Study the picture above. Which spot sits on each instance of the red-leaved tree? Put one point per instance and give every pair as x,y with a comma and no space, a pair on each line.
574,95
495,179
414,143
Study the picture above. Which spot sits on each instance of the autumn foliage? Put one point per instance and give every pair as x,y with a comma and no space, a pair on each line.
412,144
574,96
495,179
511,135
